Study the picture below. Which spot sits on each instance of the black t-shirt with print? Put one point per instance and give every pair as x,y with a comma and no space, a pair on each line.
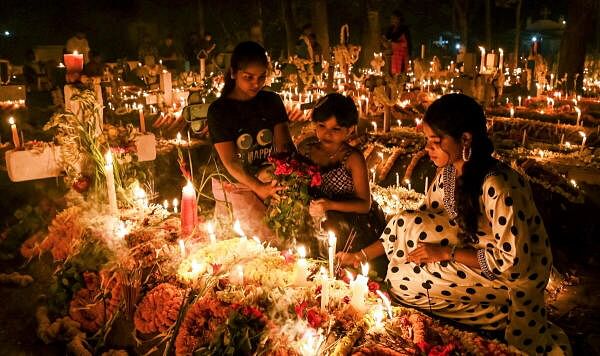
248,124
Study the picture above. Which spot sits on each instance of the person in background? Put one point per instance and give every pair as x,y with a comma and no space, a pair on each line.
397,37
147,49
95,67
169,53
247,124
191,48
80,44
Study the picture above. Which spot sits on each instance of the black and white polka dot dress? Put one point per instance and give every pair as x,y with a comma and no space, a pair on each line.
507,291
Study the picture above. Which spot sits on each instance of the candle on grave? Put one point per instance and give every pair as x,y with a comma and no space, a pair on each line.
175,205
378,315
332,240
359,289
110,183
583,138
301,268
501,60
142,118
324,289
236,276
73,62
578,110
399,122
166,204
237,228
181,247
15,133
189,210
397,179
374,126
482,64
524,139
387,303
512,113
210,228
426,184
407,181
373,175
422,51
519,98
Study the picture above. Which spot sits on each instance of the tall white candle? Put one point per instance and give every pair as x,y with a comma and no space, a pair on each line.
407,181
374,126
578,110
426,184
583,138
482,65
512,113
397,179
110,183
15,134
142,119
175,205
359,290
210,228
519,98
301,269
501,60
332,246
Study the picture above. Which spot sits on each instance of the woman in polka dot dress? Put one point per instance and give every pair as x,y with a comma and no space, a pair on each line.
476,251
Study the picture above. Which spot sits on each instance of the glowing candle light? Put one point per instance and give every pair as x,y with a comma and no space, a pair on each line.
583,138
324,289
178,138
359,289
399,122
426,184
519,98
189,209
175,205
210,228
374,126
237,228
578,110
166,204
15,133
301,269
397,179
512,113
501,60
407,181
332,240
110,183
482,64
142,118
181,247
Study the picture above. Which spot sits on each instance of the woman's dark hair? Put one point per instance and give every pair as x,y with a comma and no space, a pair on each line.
244,53
337,105
453,115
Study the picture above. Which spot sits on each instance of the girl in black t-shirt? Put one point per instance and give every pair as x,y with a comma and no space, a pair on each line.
246,125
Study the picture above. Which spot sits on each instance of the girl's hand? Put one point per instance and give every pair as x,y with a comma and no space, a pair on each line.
426,253
265,190
349,258
318,208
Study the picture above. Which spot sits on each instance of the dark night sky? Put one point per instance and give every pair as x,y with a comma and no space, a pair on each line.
106,22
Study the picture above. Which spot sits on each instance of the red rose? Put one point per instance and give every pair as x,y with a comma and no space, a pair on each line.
373,286
283,170
299,309
314,317
315,180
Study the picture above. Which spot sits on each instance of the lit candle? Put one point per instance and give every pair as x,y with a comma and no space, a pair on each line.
236,276
210,228
583,138
374,126
387,303
519,98
237,228
426,184
301,270
73,62
15,134
397,179
562,139
166,204
178,138
181,247
399,123
407,181
482,65
332,242
324,289
578,110
189,210
512,113
110,183
359,289
373,175
175,205
378,315
501,60
142,119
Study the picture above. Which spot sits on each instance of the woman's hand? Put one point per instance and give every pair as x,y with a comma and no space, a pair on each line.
349,259
265,190
318,208
426,253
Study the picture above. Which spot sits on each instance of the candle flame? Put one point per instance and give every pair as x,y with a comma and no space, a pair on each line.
501,51
196,267
573,183
237,227
210,228
582,134
302,251
108,158
365,269
166,204
386,302
350,275
332,238
11,120
175,202
75,52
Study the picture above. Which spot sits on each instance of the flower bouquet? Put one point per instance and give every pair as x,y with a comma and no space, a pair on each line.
287,214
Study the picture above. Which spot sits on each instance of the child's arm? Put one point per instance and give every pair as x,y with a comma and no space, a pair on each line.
362,194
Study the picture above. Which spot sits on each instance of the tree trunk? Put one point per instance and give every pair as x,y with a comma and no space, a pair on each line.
461,10
371,31
320,25
488,23
201,21
290,27
582,15
517,33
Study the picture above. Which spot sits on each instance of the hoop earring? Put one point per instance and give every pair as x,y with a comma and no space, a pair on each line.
466,156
